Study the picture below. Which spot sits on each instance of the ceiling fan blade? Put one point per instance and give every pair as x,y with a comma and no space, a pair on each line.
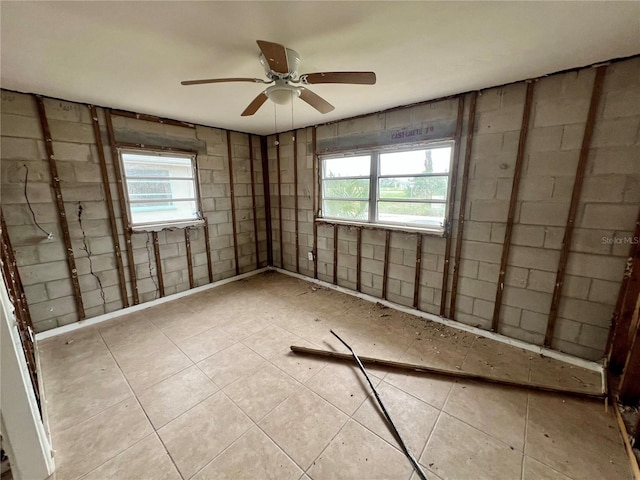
255,105
315,101
221,80
356,78
276,56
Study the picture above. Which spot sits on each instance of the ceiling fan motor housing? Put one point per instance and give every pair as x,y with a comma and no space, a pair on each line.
293,62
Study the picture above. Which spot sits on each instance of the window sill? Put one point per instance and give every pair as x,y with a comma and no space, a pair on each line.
157,227
383,226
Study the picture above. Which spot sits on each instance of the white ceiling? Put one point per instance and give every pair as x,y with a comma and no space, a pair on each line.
133,55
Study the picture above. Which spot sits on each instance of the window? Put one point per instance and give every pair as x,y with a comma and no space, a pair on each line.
403,187
161,189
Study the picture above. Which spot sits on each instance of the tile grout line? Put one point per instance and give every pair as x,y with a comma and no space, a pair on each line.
526,427
140,405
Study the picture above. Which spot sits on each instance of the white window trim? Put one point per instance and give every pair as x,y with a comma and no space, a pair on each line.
158,226
373,188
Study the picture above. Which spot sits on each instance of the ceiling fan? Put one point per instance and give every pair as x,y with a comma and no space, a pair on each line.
281,68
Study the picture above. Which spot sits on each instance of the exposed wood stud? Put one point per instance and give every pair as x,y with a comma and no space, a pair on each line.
358,258
253,201
385,271
233,204
122,283
15,290
207,244
451,206
264,153
416,288
124,211
155,147
295,198
62,216
315,201
575,199
336,229
187,243
630,381
156,251
513,203
416,368
618,334
152,118
463,206
279,201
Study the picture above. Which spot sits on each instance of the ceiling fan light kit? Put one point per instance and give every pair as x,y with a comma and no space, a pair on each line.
281,68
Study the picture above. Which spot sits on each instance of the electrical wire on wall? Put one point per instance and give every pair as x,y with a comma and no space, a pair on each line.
155,283
87,250
33,214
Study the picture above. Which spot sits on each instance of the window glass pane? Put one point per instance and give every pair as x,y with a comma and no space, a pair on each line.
145,190
347,167
420,188
141,165
160,212
348,188
430,160
347,209
421,214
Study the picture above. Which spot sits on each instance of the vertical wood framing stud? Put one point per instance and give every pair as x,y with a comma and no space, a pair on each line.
156,252
315,201
335,254
452,203
207,244
233,204
123,208
187,243
358,259
279,201
575,199
253,201
463,206
385,271
264,153
62,216
416,288
295,198
513,203
113,227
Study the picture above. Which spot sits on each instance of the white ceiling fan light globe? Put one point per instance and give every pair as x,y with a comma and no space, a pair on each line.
282,94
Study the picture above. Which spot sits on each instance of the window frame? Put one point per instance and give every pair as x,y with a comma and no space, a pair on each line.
374,193
160,225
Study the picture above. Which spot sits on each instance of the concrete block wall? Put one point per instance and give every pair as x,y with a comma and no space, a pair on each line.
606,216
42,262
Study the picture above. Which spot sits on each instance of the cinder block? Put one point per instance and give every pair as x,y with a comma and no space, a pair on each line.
612,160
20,126
44,272
609,216
577,350
52,308
567,330
585,312
593,337
19,149
495,166
618,132
528,235
489,210
478,231
535,188
62,131
477,289
591,241
481,188
542,281
503,120
557,163
561,111
622,103
489,100
35,293
516,277
469,268
533,321
18,103
483,309
601,188
488,272
538,258
576,287
603,291
632,190
572,136
527,299
524,335
545,139
509,316
484,252
544,213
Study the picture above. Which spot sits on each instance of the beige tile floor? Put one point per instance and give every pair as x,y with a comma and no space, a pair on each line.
205,387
